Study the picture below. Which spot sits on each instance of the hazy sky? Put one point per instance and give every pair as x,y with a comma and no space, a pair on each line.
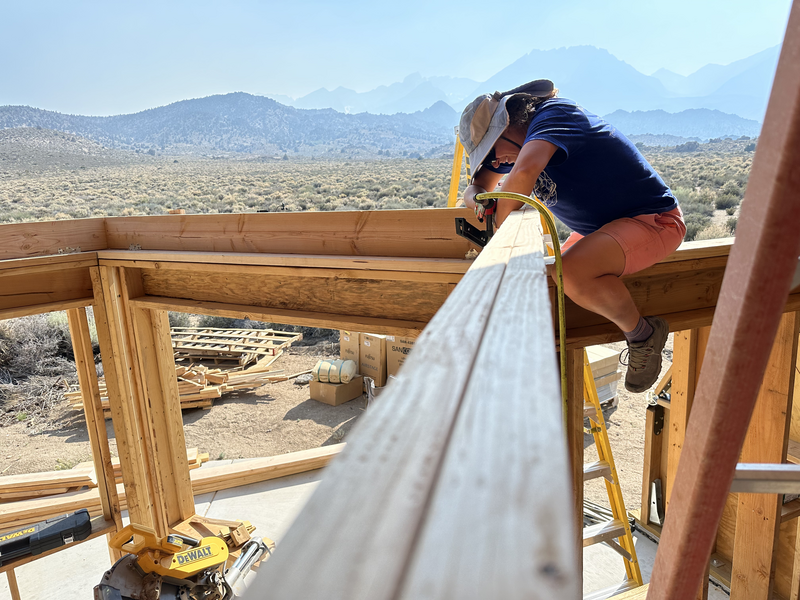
102,58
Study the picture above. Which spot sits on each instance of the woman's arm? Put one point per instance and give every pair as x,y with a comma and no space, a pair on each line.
532,160
485,180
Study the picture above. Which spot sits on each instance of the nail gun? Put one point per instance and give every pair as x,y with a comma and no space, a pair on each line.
485,213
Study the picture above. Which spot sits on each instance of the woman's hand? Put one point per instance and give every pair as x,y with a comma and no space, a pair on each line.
469,197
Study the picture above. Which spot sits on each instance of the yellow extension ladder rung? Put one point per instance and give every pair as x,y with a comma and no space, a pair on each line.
616,533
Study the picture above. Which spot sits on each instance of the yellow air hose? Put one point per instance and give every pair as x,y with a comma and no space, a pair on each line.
550,224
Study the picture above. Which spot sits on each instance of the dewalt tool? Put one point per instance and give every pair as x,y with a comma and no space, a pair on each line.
174,567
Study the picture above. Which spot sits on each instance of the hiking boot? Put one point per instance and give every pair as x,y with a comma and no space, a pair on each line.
644,358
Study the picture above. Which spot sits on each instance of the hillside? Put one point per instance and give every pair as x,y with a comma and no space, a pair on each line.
699,123
240,122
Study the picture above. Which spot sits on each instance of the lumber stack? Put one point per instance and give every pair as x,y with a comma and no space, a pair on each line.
241,347
604,363
53,483
199,385
24,512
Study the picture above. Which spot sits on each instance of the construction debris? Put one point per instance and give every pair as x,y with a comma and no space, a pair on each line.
241,346
242,360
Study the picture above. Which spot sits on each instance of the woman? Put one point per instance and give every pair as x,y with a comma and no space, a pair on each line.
623,216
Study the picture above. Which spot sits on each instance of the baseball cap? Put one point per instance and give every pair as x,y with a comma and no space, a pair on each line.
486,118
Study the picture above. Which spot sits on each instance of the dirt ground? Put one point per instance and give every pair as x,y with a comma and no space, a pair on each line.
280,418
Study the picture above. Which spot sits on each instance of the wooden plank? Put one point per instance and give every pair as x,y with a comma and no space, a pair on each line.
40,309
292,272
758,516
93,412
288,317
652,458
21,291
142,258
13,588
391,464
684,375
387,299
48,237
428,233
119,363
44,264
574,425
164,442
524,548
757,281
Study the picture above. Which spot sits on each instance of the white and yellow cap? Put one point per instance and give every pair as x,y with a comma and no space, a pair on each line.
485,119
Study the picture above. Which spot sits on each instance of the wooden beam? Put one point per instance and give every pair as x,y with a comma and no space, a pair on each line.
758,516
574,424
149,259
753,296
51,237
438,470
93,412
288,317
164,440
39,309
653,436
117,349
384,299
31,289
45,264
428,233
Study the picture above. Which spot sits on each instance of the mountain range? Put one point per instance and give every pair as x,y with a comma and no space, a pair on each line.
592,76
416,116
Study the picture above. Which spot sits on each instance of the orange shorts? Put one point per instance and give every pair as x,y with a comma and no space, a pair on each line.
645,239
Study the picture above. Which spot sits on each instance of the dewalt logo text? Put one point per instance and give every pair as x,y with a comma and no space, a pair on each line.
16,534
193,555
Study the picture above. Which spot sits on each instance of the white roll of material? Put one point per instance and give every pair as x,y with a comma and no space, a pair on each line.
334,371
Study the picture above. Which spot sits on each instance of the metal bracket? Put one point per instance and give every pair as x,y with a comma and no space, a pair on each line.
468,231
135,247
658,419
656,503
69,250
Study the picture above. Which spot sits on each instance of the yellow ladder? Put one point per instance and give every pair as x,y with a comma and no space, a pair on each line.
455,175
615,532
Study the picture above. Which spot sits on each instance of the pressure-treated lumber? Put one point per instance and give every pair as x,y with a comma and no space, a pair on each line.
93,412
428,233
509,532
754,291
758,515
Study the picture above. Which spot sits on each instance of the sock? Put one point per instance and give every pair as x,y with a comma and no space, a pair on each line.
640,333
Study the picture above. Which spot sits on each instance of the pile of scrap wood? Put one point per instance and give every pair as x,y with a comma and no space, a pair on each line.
242,360
225,346
51,483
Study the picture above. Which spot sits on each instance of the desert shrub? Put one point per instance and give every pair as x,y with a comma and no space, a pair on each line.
713,232
732,222
179,319
695,223
35,366
726,201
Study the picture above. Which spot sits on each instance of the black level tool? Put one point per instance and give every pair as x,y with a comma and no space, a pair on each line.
44,536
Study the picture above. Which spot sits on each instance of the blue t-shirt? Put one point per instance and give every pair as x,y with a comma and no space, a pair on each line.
596,174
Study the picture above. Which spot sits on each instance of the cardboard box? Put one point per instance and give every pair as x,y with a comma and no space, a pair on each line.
373,358
397,350
337,393
349,345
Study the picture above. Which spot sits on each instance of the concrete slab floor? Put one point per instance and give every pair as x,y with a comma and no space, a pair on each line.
271,506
